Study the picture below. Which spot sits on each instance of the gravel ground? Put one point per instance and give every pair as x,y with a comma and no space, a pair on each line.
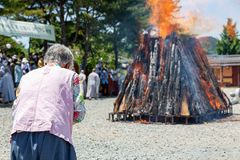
98,139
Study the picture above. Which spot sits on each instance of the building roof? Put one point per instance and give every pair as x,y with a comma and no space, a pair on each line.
224,60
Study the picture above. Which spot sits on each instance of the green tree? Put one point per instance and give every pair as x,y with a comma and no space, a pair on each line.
229,43
94,29
16,48
124,21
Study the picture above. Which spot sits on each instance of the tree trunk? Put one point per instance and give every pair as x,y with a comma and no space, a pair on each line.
63,24
46,21
87,49
77,27
115,48
45,46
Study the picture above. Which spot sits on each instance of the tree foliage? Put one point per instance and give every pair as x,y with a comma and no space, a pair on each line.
229,43
94,29
15,47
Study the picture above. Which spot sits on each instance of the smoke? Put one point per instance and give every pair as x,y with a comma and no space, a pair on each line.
167,17
197,2
195,23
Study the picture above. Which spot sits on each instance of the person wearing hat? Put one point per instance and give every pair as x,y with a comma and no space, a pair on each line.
18,73
25,66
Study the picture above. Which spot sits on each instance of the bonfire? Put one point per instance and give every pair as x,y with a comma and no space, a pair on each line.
170,76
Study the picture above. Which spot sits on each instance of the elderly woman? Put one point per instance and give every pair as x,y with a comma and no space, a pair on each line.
47,104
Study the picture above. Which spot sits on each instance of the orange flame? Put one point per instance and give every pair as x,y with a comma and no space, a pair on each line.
208,86
143,121
137,70
213,100
163,15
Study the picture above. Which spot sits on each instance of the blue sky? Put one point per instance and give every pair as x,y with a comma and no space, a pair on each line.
212,15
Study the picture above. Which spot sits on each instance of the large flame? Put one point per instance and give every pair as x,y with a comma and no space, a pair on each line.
163,15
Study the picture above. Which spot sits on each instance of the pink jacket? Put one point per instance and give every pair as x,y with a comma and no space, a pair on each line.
45,102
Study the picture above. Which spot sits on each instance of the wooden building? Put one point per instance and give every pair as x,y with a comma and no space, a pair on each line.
226,69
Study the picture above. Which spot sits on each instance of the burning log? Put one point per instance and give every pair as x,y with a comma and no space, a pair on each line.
170,77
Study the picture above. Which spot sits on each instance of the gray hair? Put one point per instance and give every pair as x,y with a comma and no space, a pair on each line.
60,54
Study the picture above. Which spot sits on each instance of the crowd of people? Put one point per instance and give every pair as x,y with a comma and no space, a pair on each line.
12,68
100,82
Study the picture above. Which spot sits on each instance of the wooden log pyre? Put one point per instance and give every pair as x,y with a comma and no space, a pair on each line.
170,76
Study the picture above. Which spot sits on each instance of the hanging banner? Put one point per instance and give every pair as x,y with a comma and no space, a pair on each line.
26,29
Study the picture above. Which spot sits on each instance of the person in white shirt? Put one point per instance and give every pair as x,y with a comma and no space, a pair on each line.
83,85
93,85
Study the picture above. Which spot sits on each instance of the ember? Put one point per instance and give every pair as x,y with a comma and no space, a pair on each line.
170,77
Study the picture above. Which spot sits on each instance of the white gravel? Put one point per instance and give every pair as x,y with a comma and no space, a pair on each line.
98,139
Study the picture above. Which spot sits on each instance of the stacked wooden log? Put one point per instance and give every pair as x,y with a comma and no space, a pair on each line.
170,76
